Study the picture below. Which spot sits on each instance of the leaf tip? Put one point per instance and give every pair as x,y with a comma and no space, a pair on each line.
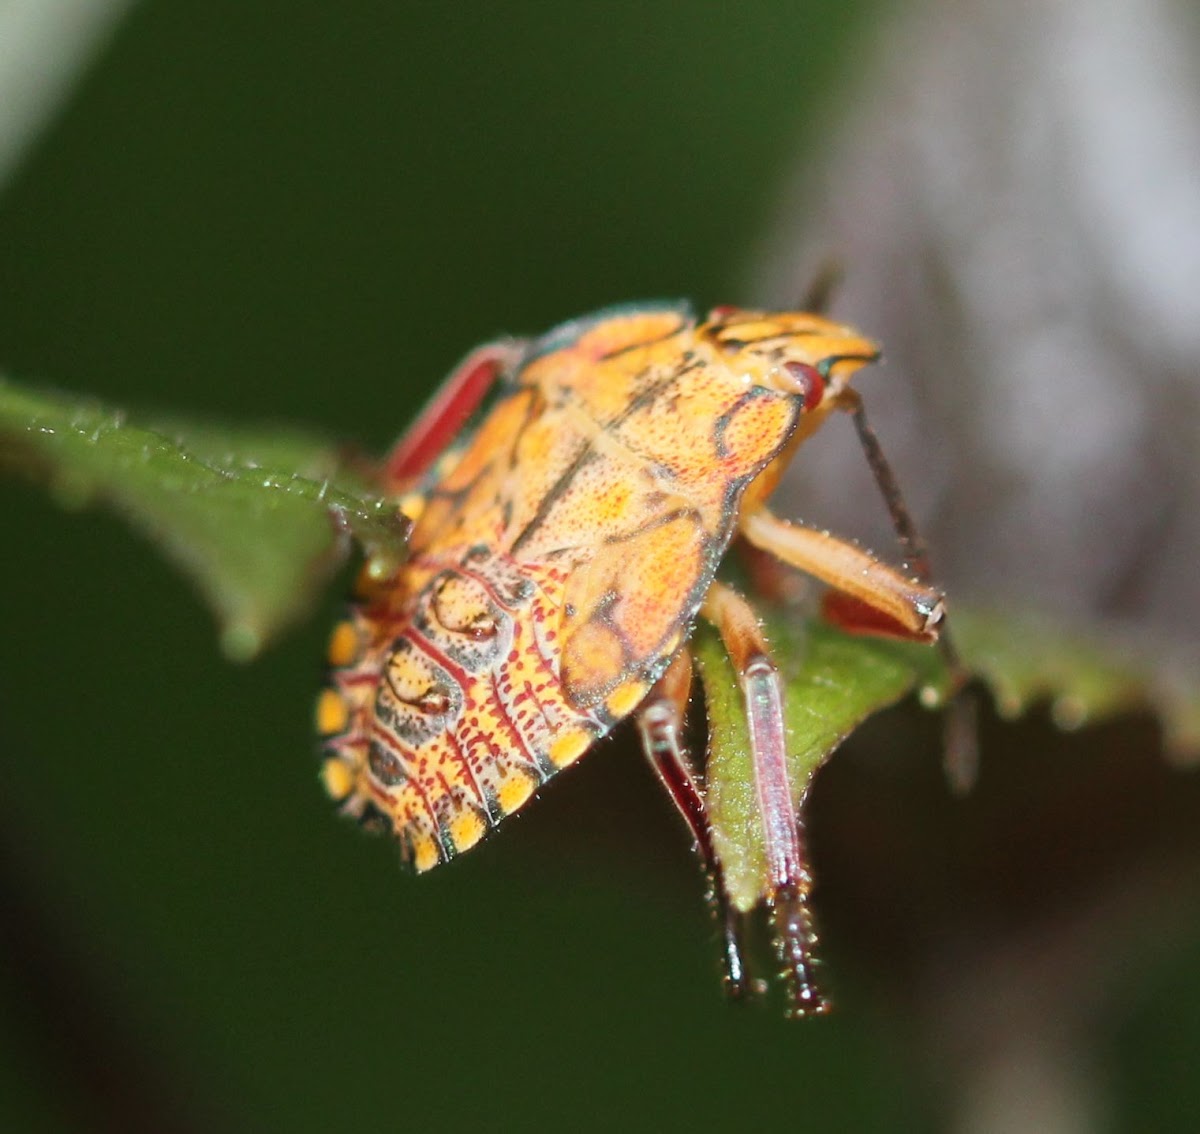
241,641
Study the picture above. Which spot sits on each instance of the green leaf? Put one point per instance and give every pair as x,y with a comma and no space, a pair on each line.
833,681
1082,676
257,518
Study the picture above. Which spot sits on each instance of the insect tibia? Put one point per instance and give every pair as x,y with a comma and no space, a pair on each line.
734,979
659,725
795,944
660,732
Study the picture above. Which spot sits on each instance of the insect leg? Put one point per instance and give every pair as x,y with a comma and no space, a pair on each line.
660,721
821,288
916,554
962,756
448,409
789,879
899,605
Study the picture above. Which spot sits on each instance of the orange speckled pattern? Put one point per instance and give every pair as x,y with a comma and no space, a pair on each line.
557,564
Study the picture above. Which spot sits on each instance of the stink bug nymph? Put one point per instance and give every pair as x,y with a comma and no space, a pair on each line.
559,557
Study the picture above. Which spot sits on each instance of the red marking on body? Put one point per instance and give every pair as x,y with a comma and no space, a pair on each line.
414,783
493,753
382,796
487,585
507,722
461,677
460,756
531,695
350,680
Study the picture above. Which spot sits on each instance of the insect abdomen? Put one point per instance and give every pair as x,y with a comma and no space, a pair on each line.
469,716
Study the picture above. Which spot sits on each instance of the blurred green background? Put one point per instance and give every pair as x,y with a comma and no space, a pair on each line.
306,213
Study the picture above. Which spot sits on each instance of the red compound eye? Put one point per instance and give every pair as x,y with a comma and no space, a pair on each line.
809,383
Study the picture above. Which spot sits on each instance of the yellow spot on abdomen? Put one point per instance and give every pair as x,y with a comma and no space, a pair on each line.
466,830
592,657
569,746
513,792
343,644
425,852
412,505
624,699
333,714
338,779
